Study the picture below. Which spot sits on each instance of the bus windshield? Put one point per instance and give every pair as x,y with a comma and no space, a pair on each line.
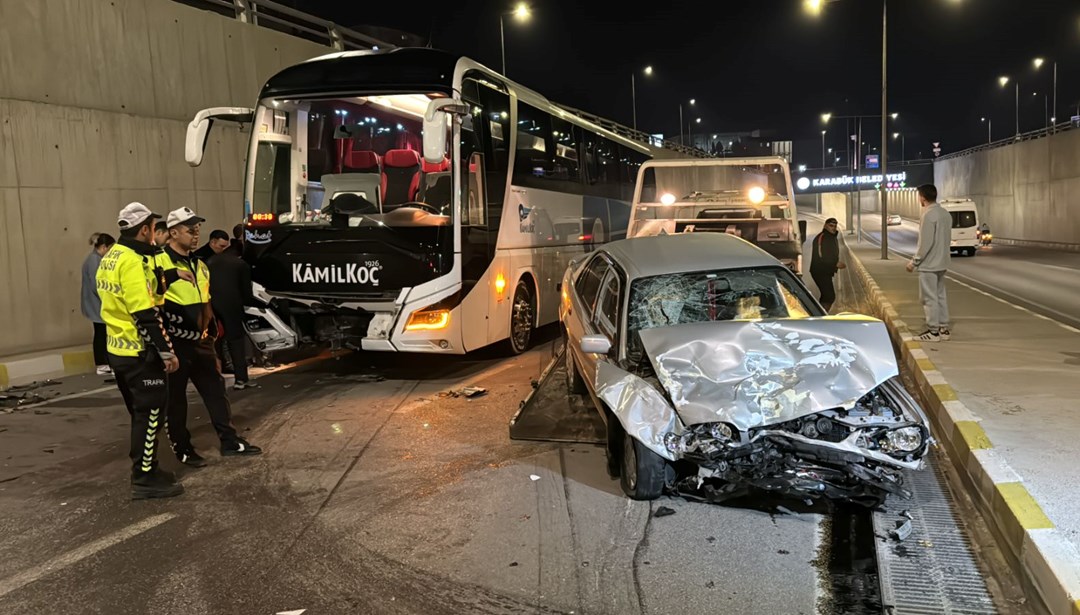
349,162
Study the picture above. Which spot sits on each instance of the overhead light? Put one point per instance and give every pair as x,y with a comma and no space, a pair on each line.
667,198
756,195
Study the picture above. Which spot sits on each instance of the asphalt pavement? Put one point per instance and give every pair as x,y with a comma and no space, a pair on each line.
1042,280
379,492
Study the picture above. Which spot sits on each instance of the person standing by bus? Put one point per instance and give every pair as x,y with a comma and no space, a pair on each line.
187,310
826,261
140,352
91,301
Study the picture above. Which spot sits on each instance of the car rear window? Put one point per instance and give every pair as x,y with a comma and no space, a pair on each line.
962,219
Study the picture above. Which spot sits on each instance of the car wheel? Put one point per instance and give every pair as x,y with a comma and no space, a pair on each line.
971,251
641,470
522,318
574,382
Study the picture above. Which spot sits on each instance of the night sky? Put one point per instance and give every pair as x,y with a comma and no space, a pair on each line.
767,64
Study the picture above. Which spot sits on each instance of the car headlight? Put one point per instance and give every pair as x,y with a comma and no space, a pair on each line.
903,440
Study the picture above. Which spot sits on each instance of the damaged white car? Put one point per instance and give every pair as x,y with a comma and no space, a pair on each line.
718,374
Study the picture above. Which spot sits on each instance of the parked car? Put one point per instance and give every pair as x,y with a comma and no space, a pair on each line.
717,373
894,220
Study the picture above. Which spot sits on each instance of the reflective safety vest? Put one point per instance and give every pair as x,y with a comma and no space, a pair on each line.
184,309
126,283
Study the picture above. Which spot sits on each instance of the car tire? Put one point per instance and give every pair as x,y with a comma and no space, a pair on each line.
971,251
575,384
642,471
522,318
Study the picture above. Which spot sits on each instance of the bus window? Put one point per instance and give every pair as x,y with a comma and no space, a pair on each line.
270,192
475,202
565,136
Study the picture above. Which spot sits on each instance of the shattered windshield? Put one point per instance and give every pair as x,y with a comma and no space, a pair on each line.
740,294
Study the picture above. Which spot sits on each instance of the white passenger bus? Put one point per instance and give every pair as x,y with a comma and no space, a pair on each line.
412,200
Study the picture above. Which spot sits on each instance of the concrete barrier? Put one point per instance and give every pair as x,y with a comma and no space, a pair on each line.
1033,546
95,96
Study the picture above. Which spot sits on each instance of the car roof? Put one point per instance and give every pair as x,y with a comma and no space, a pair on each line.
643,257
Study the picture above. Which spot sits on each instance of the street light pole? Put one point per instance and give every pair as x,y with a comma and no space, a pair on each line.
502,41
823,148
681,139
1018,107
884,132
633,97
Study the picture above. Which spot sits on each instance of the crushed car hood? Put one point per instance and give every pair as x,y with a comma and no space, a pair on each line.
758,373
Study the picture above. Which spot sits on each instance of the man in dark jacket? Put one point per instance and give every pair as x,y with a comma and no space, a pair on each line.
825,261
230,291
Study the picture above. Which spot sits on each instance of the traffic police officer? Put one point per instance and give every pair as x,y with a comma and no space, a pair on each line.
139,350
188,316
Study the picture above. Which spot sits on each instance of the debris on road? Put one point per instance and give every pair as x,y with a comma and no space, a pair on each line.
664,511
902,531
467,392
534,477
513,564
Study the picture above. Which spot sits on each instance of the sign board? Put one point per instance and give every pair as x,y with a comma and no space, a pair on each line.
937,149
872,161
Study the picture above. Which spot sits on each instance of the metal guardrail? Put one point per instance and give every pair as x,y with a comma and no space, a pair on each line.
1024,136
280,17
634,134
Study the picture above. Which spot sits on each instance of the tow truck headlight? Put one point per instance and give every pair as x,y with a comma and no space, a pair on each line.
428,320
756,195
903,440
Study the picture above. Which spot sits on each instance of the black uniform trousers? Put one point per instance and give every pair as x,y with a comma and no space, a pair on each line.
143,383
198,362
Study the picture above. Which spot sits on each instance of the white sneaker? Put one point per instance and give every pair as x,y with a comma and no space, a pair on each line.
928,336
944,334
104,370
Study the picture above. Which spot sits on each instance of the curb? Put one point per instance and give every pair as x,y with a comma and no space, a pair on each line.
1039,553
37,368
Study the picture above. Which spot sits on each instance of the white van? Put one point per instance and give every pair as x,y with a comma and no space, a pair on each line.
965,224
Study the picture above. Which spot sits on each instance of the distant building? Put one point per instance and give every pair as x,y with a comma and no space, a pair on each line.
748,143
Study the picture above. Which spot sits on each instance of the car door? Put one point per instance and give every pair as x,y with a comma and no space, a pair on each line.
605,321
578,319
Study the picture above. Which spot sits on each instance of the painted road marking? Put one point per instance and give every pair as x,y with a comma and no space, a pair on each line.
955,278
71,557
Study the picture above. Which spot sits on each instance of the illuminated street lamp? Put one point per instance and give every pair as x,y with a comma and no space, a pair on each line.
633,90
521,13
1038,62
1004,81
903,144
823,148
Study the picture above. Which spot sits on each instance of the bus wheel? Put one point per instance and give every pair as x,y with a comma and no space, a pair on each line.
522,317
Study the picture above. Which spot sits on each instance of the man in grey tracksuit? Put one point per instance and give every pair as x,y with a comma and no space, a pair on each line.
932,260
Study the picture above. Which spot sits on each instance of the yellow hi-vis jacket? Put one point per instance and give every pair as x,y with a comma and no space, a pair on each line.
186,310
127,281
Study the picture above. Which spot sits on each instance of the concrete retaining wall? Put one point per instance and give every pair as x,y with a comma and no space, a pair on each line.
1027,191
95,96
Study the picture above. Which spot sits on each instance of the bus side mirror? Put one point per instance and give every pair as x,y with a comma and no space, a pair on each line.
435,127
199,129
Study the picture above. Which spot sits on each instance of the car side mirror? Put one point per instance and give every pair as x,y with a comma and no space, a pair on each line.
595,344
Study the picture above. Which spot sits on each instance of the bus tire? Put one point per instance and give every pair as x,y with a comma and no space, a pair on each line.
522,317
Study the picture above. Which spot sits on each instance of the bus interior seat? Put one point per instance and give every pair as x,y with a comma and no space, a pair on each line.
363,161
400,176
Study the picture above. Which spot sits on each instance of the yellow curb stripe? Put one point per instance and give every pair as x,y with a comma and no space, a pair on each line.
1076,608
971,434
925,364
945,392
3,376
1026,511
78,362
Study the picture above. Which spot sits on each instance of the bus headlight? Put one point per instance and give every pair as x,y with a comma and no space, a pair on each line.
428,320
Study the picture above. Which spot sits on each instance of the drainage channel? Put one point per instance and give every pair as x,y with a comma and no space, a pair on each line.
932,569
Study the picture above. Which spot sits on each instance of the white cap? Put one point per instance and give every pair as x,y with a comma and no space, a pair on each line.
184,215
134,214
